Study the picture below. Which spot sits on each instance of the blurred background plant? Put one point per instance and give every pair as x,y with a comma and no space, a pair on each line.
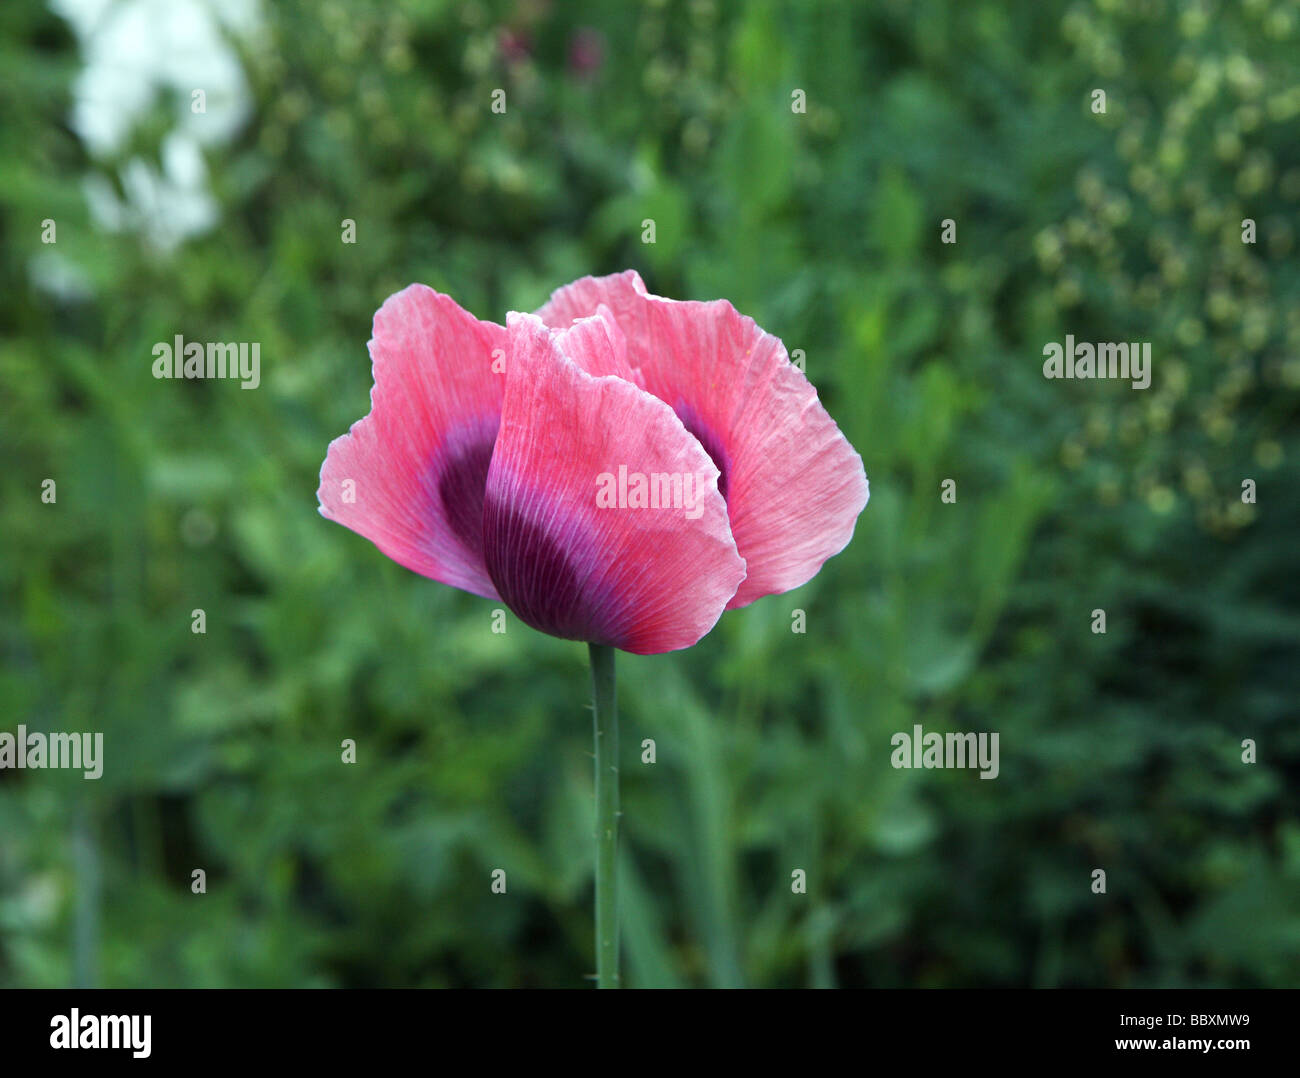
1119,751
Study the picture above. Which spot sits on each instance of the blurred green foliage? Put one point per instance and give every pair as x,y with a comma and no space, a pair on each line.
1119,751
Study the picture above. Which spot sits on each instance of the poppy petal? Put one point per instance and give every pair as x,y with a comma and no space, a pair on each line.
794,486
410,476
567,563
622,294
598,346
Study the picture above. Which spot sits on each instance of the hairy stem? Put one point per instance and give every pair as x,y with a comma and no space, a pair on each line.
607,815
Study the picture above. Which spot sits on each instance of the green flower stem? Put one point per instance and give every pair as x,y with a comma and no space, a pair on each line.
607,815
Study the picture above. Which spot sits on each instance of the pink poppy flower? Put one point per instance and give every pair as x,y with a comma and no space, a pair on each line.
486,450
793,485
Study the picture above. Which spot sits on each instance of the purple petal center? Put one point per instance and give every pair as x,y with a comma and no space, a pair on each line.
705,436
462,481
537,575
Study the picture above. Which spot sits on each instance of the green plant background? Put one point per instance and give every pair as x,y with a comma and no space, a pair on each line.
1119,751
